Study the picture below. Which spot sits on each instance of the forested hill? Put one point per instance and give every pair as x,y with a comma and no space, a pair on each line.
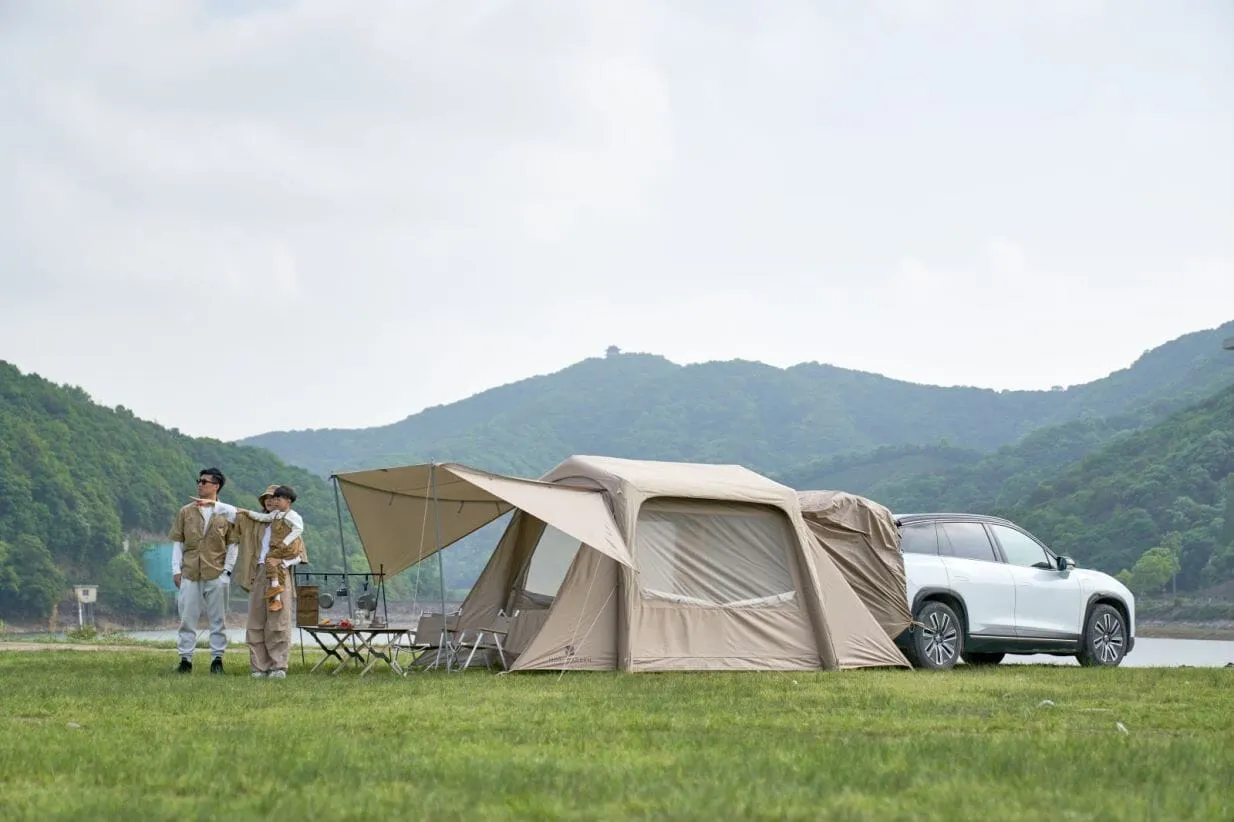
643,406
940,477
1094,488
1169,487
77,478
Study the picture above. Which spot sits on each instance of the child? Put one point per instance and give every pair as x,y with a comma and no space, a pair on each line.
283,542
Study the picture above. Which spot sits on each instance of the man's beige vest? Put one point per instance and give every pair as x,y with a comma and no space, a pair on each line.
205,545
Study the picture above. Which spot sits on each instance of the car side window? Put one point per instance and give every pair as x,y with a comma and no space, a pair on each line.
965,540
1019,548
919,538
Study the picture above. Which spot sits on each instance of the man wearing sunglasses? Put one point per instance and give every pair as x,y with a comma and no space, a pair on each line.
202,559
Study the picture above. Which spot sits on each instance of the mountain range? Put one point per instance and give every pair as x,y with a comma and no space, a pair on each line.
773,420
1106,470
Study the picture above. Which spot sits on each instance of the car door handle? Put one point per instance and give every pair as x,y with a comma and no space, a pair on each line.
959,578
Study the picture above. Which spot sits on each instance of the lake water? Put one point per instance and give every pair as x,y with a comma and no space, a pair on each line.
1155,653
1148,653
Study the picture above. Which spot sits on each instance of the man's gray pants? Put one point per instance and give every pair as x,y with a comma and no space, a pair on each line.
190,599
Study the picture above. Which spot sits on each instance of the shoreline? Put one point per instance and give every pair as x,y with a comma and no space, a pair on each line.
1148,629
1181,629
400,614
1220,630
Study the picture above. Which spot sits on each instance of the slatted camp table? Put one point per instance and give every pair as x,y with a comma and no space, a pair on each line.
357,644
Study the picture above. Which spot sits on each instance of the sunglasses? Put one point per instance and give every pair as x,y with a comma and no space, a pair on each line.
206,482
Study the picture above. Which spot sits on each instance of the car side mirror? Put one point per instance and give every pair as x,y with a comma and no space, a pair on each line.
1065,563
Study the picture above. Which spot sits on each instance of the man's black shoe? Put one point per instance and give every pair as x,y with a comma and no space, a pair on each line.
186,667
216,667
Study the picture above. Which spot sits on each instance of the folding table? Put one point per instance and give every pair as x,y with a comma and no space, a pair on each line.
357,644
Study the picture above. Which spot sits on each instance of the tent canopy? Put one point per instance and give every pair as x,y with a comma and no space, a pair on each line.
398,511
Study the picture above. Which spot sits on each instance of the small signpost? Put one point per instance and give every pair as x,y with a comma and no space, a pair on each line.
86,595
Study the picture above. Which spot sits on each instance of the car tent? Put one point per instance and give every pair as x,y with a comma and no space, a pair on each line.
630,565
861,538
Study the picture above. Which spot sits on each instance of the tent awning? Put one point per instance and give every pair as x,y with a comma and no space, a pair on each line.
393,509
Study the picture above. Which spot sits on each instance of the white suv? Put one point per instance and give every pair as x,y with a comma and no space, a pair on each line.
981,587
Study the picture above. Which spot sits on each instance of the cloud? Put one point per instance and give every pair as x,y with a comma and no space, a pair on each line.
437,197
997,268
1034,323
300,114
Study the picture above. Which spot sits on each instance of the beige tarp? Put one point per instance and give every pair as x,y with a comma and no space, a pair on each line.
398,511
861,538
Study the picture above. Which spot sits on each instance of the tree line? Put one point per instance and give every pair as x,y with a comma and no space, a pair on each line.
1129,493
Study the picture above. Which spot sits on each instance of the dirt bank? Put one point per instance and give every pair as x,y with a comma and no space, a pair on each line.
1222,630
79,646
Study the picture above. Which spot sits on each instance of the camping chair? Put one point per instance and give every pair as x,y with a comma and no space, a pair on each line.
488,639
427,642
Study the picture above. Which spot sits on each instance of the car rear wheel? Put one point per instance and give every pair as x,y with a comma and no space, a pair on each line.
938,641
982,657
1105,638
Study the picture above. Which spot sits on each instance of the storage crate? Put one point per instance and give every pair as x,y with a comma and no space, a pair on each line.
306,605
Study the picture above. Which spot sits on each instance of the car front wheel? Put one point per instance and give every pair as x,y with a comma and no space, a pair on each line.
1105,638
938,641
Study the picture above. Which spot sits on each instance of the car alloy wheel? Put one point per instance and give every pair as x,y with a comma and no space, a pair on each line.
936,641
939,637
1105,638
1109,639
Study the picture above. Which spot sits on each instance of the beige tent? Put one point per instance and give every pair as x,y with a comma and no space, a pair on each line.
630,565
862,540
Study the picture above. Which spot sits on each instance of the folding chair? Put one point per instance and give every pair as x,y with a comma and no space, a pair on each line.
487,639
427,641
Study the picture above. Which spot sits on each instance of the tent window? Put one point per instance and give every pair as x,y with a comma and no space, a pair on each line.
714,554
550,561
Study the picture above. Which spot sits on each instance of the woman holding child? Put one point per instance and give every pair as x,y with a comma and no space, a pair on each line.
270,543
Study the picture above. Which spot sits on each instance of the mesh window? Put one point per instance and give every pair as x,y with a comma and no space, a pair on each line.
550,562
714,554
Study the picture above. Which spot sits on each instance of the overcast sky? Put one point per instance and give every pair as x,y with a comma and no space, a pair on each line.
371,208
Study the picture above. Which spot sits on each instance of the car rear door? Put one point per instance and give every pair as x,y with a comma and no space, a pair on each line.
978,575
923,567
1049,604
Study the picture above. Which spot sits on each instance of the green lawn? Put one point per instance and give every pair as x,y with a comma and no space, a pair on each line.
92,735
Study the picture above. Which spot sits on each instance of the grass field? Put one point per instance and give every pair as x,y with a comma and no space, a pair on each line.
118,736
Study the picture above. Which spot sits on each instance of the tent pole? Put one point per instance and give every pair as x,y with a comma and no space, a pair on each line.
385,602
441,573
342,548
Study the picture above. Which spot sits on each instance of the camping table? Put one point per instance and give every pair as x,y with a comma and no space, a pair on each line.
356,643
